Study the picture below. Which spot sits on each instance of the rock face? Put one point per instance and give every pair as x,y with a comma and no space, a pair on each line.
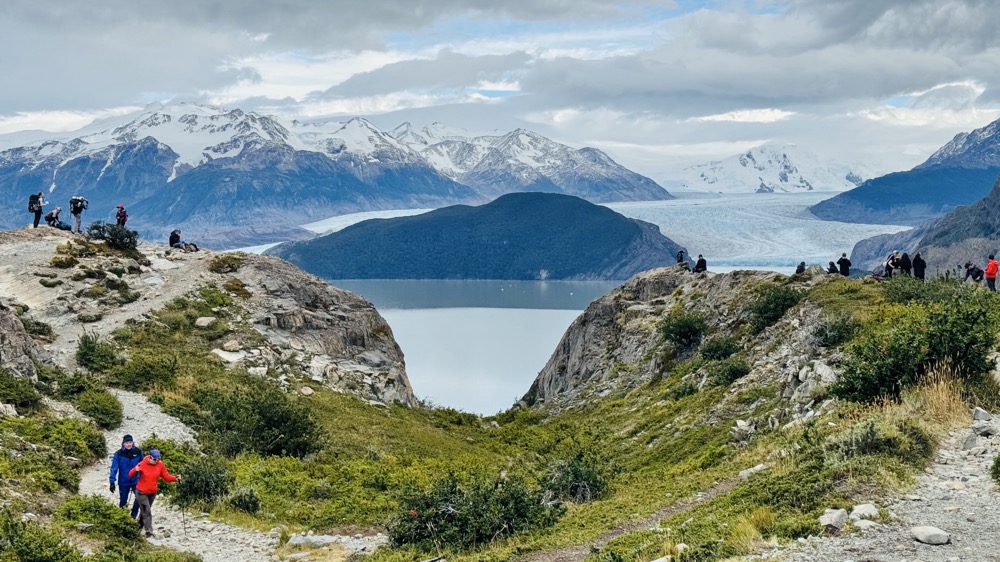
616,343
338,336
16,346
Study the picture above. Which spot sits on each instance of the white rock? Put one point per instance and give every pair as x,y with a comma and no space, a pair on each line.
930,535
834,518
204,321
232,345
230,356
864,511
865,524
752,470
8,411
981,414
306,391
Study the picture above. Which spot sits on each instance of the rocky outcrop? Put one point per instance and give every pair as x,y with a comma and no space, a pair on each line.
338,337
616,343
16,346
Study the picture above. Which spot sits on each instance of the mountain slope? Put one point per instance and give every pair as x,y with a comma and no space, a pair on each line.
959,173
773,168
518,236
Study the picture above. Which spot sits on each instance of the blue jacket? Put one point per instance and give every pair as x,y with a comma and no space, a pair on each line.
123,461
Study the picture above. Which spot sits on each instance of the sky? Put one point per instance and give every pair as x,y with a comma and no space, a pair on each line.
655,84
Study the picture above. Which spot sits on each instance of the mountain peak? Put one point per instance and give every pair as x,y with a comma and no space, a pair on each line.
978,149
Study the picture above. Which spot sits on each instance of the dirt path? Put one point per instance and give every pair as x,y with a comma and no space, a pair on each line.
579,552
214,542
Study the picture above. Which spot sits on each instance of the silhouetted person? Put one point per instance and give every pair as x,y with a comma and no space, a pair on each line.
35,202
832,268
77,205
991,273
891,262
121,216
845,265
974,272
701,265
905,264
682,260
919,266
801,267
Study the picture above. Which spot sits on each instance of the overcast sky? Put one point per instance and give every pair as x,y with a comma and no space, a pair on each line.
653,83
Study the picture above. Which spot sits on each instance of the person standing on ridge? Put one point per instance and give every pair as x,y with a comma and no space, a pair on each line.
121,217
845,265
891,262
77,205
905,264
35,203
122,462
991,273
919,266
701,265
150,470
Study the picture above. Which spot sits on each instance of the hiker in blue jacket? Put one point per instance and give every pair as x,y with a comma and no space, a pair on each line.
122,462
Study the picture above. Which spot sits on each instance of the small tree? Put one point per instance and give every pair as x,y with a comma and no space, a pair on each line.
683,329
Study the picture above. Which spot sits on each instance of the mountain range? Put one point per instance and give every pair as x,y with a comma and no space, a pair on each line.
233,178
524,236
959,173
771,168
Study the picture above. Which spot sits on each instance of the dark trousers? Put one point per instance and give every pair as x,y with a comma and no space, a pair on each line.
991,283
38,217
145,503
123,492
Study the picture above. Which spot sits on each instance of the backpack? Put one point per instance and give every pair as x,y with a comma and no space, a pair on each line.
34,205
77,205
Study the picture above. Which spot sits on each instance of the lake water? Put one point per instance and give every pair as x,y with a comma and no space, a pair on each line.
477,345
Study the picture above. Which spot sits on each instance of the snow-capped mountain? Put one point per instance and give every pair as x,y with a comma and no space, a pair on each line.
771,168
522,160
977,149
233,177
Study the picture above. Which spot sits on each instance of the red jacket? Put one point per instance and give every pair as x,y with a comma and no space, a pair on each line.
991,269
150,474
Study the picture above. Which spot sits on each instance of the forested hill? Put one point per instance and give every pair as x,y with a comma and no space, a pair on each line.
517,236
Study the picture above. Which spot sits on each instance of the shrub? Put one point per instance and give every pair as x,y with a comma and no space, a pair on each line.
244,499
901,439
50,283
995,469
37,328
102,407
226,263
117,237
237,288
28,542
143,371
729,371
260,418
719,348
886,356
19,391
69,437
467,514
962,329
684,388
836,330
683,329
108,521
56,382
96,354
580,479
205,480
770,303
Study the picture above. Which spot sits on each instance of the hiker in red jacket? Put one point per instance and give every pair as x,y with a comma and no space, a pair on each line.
150,470
991,273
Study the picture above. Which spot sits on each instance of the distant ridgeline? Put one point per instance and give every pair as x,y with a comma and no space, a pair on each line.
966,234
960,173
517,236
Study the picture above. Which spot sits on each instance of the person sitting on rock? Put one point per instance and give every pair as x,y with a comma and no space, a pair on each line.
974,272
801,268
701,265
52,219
832,268
682,261
176,242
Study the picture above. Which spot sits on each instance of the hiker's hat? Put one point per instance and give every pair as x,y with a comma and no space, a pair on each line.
155,453
120,206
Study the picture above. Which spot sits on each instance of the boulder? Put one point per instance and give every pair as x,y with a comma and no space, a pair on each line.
230,356
306,391
969,442
864,511
980,414
930,535
983,429
833,519
865,524
312,541
204,321
746,473
232,345
7,411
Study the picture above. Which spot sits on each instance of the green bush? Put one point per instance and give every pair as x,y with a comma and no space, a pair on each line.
38,328
729,371
57,383
117,237
109,522
259,417
68,436
683,389
244,499
63,262
901,439
719,348
836,330
144,371
770,303
461,514
96,354
102,407
120,551
226,263
205,481
683,329
20,392
995,469
905,290
29,542
580,479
